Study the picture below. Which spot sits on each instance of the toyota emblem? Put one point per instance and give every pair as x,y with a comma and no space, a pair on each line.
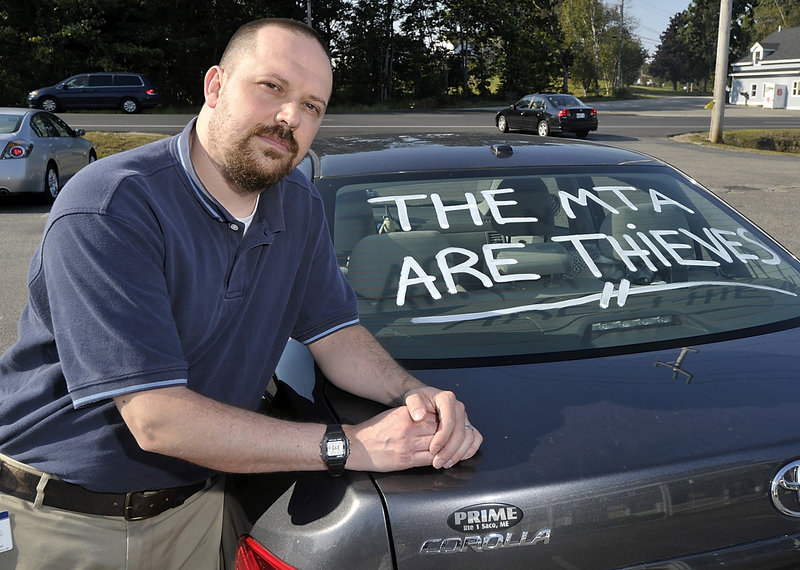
785,490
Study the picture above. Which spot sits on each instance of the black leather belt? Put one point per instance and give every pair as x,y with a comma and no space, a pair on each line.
68,496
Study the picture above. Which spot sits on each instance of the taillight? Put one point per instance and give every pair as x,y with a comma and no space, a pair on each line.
151,91
563,113
594,112
252,556
17,149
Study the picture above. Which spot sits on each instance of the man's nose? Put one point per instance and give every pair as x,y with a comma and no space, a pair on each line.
290,114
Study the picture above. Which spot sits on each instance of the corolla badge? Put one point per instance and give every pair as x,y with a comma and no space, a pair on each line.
785,490
485,517
485,530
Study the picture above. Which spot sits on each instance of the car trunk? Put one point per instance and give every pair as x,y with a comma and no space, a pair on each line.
607,462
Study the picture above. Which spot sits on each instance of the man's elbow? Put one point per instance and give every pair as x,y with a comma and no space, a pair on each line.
146,421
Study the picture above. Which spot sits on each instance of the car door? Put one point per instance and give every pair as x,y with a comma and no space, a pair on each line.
515,117
63,142
74,92
530,115
103,92
538,112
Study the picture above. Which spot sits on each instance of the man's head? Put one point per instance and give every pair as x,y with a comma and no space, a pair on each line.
264,102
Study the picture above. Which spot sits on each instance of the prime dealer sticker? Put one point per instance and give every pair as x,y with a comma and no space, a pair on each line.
485,517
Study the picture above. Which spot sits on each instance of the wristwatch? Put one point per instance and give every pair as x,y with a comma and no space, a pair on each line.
334,449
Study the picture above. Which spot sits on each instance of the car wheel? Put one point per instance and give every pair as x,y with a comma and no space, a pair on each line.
582,134
502,124
51,183
49,104
544,129
130,106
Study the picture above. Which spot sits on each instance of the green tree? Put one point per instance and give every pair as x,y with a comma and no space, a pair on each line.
699,36
584,23
769,15
669,61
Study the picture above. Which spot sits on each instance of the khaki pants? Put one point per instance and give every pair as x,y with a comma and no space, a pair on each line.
187,536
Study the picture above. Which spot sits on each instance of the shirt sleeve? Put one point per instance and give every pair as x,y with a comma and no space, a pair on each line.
329,303
100,287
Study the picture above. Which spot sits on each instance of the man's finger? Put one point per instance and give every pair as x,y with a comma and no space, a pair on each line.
416,407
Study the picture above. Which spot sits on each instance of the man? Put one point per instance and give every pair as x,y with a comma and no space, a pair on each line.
161,297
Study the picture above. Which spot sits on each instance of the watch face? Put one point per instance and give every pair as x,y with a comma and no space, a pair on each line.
335,449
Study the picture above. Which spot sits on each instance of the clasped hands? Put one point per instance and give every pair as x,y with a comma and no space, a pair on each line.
431,429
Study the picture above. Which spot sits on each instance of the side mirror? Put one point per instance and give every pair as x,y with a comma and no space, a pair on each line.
80,132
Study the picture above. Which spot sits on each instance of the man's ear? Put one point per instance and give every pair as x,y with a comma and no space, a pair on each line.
212,85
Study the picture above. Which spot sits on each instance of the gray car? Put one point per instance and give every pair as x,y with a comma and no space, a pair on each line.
624,340
40,152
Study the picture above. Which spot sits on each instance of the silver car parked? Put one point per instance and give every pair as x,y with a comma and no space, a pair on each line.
40,152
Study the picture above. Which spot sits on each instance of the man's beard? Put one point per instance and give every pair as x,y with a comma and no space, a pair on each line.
244,167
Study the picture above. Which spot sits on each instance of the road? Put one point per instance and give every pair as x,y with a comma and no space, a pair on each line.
766,187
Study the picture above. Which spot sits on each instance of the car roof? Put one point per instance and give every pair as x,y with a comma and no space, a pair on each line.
16,111
351,156
542,93
107,73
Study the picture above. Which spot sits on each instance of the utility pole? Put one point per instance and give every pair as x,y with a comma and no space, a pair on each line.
721,71
621,43
308,13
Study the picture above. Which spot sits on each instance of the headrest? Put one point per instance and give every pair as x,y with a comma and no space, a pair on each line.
376,262
533,201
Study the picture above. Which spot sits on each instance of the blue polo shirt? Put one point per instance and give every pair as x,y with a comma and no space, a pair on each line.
143,280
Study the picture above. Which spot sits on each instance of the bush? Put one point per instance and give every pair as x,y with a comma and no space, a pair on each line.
780,140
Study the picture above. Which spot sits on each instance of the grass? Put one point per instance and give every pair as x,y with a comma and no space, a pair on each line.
785,141
108,143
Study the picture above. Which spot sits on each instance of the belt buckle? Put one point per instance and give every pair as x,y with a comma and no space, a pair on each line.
128,508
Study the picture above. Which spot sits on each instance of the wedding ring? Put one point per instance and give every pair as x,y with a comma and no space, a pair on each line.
469,427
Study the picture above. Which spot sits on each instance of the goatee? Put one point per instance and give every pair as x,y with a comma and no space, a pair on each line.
244,167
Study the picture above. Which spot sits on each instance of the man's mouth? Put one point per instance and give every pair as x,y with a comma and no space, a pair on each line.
278,138
275,142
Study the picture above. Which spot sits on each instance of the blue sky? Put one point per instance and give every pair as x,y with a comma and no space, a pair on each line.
653,17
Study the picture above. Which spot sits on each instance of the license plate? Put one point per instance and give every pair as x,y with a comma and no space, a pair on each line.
580,115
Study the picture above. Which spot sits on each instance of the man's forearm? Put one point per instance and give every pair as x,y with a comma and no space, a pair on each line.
353,360
180,423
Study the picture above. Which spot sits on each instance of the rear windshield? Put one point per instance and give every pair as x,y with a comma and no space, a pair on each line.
482,265
9,124
565,101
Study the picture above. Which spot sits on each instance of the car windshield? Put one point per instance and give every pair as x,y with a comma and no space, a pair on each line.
9,124
451,265
565,101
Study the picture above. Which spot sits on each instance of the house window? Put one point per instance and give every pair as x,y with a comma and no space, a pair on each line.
756,57
753,90
795,88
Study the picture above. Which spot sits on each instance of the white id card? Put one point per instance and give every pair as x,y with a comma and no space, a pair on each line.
5,532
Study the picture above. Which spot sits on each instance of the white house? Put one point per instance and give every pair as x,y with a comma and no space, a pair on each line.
769,75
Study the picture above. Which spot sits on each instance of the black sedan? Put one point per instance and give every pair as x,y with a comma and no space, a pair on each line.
625,341
547,113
